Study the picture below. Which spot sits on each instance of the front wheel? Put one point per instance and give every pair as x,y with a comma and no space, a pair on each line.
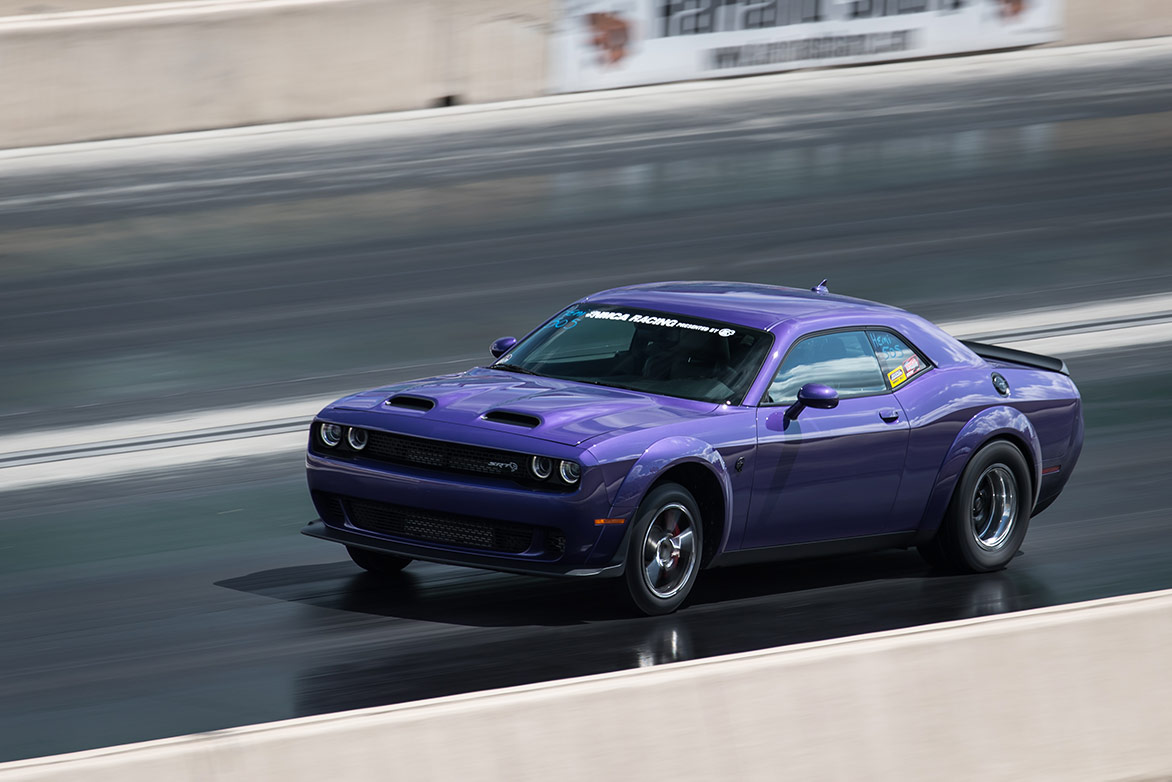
376,562
663,555
987,518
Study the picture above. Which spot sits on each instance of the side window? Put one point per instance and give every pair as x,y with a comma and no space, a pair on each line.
843,360
900,363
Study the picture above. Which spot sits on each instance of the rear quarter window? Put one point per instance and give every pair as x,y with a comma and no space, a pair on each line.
899,361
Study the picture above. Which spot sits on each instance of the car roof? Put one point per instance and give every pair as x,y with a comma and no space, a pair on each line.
741,303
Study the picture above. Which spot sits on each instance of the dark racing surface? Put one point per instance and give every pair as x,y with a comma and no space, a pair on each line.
168,602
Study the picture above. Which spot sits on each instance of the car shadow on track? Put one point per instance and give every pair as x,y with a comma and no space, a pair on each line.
736,611
464,596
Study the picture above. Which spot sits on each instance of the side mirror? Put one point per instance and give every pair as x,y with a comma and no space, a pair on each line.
502,346
815,395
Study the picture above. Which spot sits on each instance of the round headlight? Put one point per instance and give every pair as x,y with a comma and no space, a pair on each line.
356,438
570,472
542,466
330,434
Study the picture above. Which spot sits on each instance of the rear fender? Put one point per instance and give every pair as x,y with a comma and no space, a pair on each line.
993,423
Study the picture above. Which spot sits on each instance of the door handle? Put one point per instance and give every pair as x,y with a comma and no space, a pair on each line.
889,414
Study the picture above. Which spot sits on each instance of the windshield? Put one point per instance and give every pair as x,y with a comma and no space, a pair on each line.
643,350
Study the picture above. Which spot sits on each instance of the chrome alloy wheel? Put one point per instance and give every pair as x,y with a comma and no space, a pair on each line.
994,506
669,550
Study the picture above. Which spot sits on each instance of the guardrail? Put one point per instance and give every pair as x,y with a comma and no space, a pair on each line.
1075,692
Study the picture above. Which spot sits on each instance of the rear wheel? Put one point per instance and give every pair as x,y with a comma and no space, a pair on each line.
663,555
987,518
376,562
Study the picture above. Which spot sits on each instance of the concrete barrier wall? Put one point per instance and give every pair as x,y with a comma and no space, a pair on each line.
1071,693
188,66
220,63
1095,21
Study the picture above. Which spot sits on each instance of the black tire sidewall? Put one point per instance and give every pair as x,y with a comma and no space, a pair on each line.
958,539
641,595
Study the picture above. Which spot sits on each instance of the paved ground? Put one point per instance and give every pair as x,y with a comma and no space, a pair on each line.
170,277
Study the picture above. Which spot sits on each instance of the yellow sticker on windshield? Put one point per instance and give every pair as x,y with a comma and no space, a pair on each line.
896,376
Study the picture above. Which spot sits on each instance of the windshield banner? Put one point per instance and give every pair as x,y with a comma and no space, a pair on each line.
618,43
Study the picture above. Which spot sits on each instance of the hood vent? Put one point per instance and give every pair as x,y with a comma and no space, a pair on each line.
509,417
422,404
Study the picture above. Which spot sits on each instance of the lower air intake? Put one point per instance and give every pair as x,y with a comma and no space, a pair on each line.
436,527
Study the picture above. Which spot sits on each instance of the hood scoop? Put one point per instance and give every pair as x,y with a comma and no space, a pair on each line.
420,403
526,420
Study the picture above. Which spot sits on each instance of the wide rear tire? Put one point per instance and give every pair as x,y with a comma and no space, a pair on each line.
664,550
988,515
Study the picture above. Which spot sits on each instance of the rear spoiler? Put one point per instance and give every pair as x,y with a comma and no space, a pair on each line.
998,353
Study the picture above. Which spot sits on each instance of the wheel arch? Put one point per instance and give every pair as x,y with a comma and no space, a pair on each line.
1002,423
1033,461
706,489
698,467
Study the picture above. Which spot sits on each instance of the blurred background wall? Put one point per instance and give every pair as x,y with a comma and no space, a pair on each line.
138,71
72,75
1089,21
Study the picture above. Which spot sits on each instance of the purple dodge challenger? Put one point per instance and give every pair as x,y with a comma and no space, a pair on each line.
649,432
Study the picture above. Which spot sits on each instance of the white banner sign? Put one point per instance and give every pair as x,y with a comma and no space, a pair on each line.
619,43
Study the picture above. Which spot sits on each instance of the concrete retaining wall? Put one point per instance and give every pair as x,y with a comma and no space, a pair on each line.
1071,693
1095,21
220,63
188,66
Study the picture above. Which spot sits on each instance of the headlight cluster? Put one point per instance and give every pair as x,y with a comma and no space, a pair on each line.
331,436
542,468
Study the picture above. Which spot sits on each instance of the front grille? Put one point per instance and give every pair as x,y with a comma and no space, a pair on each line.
402,449
436,527
444,456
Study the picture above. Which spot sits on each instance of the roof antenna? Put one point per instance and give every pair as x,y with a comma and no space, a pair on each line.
821,288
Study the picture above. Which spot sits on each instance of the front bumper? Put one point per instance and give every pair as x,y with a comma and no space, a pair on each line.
347,537
583,548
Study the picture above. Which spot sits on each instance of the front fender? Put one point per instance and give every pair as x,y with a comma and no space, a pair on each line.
660,457
989,424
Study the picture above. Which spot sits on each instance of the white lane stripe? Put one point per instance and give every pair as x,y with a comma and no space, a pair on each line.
108,466
195,423
1066,345
164,455
126,432
1054,317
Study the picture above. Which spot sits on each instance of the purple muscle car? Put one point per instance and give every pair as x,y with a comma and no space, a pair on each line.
649,432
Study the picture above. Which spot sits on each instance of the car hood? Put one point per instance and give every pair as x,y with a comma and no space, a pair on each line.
556,410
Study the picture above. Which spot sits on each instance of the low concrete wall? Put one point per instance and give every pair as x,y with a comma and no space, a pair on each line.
1071,693
196,65
182,66
1095,21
